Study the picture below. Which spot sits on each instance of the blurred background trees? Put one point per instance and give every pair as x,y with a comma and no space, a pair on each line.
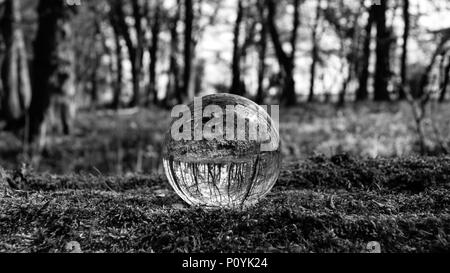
63,55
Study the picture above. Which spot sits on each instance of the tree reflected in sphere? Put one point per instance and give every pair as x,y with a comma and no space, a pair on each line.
222,151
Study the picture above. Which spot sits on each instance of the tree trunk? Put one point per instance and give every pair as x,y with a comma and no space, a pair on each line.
174,70
424,79
295,25
288,96
189,19
404,60
261,63
351,56
314,54
52,64
382,69
235,65
15,77
138,54
96,64
362,93
445,81
2,56
346,81
94,84
119,68
135,51
156,28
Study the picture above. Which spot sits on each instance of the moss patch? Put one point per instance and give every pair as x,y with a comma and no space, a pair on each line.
322,204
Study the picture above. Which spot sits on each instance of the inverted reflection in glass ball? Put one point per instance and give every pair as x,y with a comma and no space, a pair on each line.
222,151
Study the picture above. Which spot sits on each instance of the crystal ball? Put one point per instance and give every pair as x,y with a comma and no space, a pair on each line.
222,151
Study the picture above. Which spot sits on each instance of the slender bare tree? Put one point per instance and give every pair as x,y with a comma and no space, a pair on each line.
153,50
118,61
135,47
445,81
362,92
174,83
235,63
314,51
53,68
384,41
262,52
404,59
16,92
188,46
286,61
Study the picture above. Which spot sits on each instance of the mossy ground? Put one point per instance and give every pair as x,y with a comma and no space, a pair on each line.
322,204
103,187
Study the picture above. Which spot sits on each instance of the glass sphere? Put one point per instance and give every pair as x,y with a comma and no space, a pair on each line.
222,151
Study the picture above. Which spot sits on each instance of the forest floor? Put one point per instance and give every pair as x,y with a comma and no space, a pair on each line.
350,176
322,204
130,141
